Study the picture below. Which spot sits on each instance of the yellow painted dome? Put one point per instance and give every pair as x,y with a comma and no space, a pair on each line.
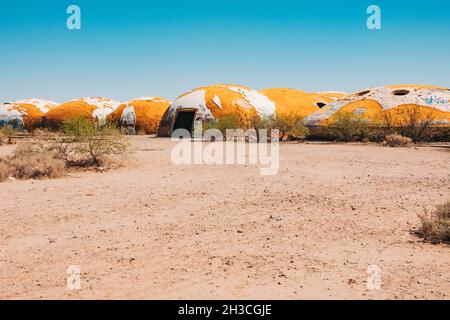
91,108
26,113
393,102
295,102
333,95
140,114
212,102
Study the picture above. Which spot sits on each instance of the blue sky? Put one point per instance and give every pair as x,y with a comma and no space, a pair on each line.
134,48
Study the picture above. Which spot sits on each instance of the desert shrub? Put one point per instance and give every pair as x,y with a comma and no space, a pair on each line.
2,138
31,161
299,130
78,128
348,127
5,171
415,125
397,140
7,133
435,226
290,125
86,144
223,123
141,132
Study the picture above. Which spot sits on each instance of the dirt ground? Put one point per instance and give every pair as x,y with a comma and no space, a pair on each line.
155,230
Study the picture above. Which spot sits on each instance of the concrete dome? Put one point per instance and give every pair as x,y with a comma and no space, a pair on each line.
140,114
26,113
213,102
296,102
91,108
375,104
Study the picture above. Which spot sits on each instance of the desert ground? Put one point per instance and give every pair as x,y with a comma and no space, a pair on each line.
156,230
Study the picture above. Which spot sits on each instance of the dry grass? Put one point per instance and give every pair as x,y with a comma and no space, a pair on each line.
396,140
435,226
30,162
4,171
6,134
2,138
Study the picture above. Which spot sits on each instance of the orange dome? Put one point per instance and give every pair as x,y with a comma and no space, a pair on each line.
27,113
91,108
395,102
140,114
333,95
213,102
292,101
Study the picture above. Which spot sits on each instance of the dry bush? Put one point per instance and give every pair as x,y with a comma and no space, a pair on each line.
416,126
348,127
397,140
435,226
5,171
7,133
2,138
29,160
87,145
141,132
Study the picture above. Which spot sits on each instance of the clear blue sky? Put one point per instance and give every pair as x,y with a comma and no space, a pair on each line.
133,48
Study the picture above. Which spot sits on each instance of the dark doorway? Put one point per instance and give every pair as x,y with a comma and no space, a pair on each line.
184,120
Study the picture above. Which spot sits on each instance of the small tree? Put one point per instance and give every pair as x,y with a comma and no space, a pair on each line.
86,144
291,125
78,128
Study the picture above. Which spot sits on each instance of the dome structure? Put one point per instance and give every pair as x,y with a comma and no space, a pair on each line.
390,102
140,114
213,102
292,101
26,113
90,108
333,95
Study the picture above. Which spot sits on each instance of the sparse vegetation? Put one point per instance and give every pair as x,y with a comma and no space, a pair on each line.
291,126
86,144
30,161
348,127
417,126
435,226
223,123
50,154
397,140
2,138
7,133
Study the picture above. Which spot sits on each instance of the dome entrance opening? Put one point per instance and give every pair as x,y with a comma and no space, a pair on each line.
184,120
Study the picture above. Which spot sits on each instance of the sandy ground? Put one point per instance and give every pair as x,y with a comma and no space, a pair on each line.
160,231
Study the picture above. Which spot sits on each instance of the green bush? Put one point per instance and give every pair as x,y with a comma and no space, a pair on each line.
87,144
78,128
223,123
